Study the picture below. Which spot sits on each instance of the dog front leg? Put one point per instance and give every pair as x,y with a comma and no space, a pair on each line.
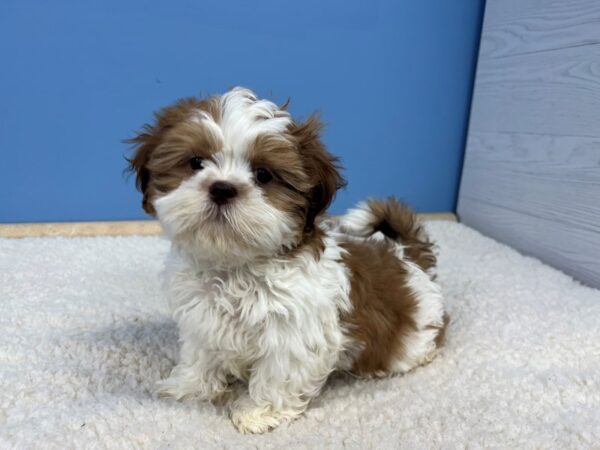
279,389
199,373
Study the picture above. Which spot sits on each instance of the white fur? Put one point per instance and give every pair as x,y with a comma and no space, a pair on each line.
239,234
358,221
244,311
419,346
244,117
274,325
249,227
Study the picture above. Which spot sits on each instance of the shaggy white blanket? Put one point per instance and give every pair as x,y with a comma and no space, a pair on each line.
85,332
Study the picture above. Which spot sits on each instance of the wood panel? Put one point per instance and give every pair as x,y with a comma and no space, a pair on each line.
533,235
517,27
531,176
543,185
555,92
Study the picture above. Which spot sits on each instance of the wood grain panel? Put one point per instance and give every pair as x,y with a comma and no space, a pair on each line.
517,27
549,189
554,92
545,239
531,176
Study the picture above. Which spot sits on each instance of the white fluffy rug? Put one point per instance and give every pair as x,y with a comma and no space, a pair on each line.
85,332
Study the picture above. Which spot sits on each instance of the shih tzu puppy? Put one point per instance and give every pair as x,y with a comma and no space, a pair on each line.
264,288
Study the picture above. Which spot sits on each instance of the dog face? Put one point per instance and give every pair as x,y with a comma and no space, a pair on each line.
234,178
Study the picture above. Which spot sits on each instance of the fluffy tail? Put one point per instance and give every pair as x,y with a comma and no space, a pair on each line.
397,222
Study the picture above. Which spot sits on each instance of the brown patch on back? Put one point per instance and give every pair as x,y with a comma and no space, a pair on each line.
382,305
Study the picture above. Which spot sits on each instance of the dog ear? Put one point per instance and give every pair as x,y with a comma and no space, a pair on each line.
148,139
323,169
144,144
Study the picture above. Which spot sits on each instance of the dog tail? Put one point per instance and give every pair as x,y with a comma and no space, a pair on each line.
397,222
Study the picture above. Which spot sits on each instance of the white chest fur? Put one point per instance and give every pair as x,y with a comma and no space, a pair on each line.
284,307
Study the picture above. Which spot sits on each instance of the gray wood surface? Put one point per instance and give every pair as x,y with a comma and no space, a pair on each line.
554,92
517,27
531,176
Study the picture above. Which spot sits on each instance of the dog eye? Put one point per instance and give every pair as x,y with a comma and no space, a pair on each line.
262,175
196,163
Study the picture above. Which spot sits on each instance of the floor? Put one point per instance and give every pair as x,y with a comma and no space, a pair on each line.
86,333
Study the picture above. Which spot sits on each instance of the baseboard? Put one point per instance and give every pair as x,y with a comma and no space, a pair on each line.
72,229
117,228
449,216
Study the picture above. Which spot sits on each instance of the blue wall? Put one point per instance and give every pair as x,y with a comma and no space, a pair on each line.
392,79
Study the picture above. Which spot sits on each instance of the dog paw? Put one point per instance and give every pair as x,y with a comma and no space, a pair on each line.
256,420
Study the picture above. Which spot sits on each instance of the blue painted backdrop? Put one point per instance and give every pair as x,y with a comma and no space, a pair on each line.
392,79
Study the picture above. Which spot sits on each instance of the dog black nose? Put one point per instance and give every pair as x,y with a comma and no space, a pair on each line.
221,192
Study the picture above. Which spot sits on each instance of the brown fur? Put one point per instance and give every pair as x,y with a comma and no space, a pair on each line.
306,178
398,222
323,173
306,175
382,305
162,150
288,191
322,168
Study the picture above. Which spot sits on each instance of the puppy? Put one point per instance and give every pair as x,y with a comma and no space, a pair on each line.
264,288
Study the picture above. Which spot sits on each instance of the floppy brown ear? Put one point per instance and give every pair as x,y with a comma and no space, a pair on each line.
148,139
144,143
322,168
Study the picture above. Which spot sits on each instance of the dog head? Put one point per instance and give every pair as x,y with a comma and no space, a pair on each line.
234,177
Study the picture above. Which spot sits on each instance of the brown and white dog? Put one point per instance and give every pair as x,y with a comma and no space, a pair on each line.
264,288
